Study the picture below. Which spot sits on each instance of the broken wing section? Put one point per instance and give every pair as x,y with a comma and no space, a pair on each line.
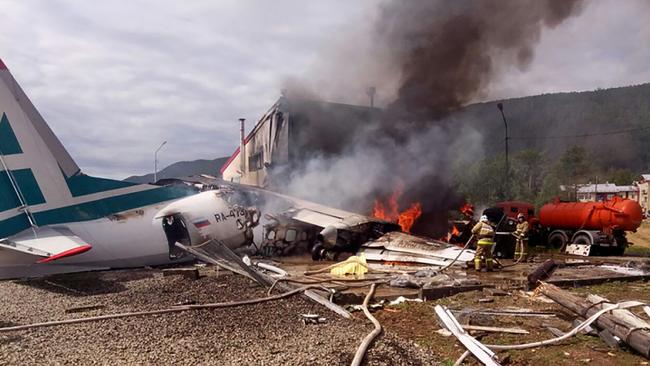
46,244
398,247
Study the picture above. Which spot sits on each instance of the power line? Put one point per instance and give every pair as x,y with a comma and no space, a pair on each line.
617,132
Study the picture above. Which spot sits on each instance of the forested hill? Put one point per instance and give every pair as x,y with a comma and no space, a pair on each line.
613,125
183,169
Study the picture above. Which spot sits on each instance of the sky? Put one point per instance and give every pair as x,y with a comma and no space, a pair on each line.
116,79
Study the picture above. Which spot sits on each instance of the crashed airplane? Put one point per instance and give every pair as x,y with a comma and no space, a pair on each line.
55,219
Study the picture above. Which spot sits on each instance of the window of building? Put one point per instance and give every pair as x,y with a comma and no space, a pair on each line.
255,162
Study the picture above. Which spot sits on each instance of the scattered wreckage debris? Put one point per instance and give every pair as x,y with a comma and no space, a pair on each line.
312,319
218,254
482,353
615,318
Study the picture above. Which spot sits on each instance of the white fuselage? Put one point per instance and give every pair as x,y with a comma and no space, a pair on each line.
136,237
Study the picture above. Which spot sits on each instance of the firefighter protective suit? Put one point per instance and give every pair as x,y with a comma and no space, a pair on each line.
485,234
521,233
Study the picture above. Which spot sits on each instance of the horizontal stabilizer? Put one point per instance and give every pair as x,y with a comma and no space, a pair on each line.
46,242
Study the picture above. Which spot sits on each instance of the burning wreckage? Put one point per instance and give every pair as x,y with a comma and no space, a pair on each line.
293,226
55,219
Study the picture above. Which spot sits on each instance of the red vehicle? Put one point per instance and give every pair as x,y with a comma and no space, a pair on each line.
513,208
601,225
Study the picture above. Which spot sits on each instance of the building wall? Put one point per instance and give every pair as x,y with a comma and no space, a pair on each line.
265,147
644,195
604,192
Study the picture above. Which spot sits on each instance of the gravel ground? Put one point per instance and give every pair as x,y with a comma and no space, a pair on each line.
264,334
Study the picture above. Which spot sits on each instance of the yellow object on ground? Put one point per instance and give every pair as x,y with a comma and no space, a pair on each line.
355,265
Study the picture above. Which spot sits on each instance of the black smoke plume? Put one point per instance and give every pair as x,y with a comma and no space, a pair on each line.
446,54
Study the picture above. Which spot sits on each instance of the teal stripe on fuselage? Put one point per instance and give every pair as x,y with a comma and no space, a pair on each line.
97,209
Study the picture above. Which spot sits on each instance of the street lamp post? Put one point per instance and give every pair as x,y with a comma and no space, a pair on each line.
500,106
155,162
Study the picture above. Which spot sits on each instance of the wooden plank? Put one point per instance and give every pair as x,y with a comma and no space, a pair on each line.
588,281
435,293
636,337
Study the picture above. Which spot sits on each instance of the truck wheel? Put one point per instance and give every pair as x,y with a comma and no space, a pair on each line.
557,240
582,239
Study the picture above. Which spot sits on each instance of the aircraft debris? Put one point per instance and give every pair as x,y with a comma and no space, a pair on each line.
403,299
481,352
312,319
217,253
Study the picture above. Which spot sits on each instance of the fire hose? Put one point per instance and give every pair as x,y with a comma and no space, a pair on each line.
363,347
459,254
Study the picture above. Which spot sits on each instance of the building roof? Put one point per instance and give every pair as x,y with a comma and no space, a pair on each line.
605,188
645,177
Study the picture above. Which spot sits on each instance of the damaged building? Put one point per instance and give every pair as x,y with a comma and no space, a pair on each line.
289,134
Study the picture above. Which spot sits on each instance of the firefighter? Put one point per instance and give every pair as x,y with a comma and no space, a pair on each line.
521,233
485,234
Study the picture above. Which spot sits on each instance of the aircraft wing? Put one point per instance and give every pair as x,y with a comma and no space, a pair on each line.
307,212
308,216
47,243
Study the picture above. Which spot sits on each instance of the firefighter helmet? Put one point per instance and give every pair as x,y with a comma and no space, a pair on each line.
484,218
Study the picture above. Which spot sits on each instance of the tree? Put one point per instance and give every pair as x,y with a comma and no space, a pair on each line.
573,168
621,177
526,174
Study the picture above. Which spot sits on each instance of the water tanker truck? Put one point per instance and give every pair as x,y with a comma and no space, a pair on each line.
595,227
585,228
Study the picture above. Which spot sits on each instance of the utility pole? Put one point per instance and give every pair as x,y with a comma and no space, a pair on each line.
371,93
505,123
155,162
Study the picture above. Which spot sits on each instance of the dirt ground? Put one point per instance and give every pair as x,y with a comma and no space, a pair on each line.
417,321
270,333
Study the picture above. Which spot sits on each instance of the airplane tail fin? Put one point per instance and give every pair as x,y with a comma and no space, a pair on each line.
23,129
40,183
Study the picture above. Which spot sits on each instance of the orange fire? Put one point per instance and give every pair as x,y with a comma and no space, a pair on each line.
454,232
467,210
390,211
